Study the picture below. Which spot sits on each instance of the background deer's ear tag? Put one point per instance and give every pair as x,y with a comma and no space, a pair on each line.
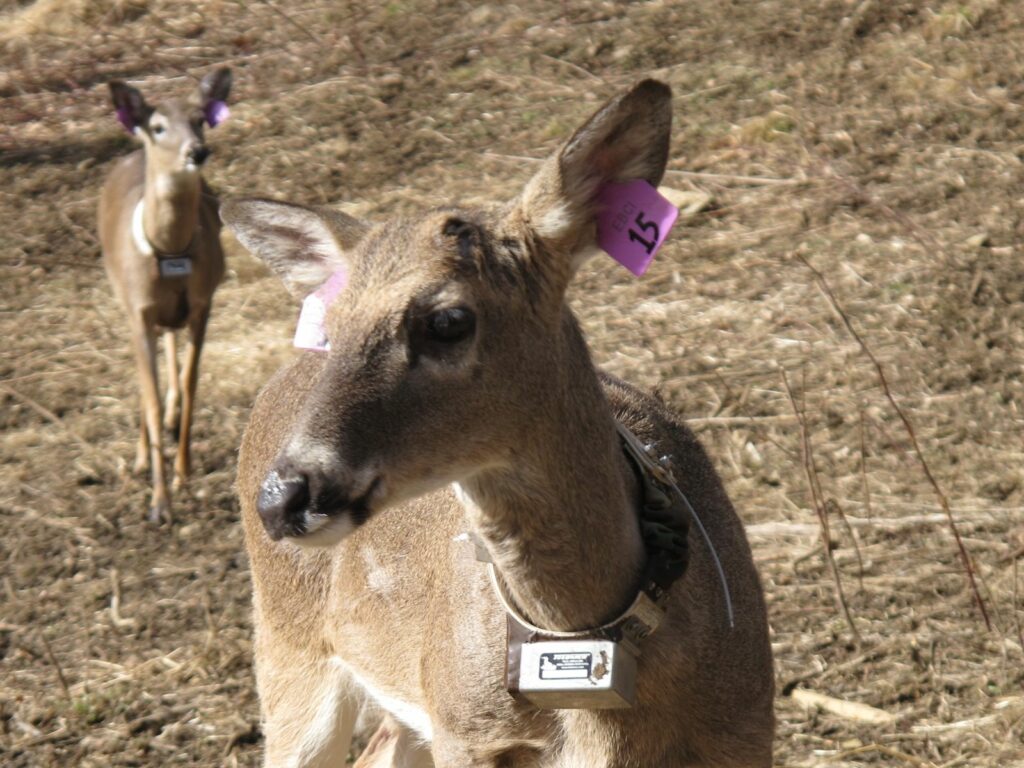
216,112
309,332
632,223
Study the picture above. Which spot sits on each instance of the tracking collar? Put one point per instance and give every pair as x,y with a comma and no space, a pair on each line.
142,243
576,669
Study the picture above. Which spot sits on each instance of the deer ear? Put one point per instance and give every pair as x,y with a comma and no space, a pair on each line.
132,110
303,246
215,86
213,95
625,140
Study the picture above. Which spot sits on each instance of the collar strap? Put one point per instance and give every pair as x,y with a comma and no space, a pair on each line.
637,622
665,522
142,243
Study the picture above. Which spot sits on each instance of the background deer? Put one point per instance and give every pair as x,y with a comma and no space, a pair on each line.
160,234
459,396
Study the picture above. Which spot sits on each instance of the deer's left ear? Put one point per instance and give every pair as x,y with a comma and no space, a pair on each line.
625,140
213,95
132,110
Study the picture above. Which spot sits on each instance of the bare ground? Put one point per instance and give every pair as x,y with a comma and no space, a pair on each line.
877,143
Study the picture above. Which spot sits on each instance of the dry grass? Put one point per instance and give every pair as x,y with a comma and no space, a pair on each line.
880,142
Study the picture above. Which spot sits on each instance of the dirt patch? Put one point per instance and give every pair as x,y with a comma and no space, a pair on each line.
880,142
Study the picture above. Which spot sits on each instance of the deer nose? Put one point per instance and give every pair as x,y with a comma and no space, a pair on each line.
283,497
199,154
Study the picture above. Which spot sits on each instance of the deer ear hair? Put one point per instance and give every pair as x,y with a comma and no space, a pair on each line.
625,140
132,110
303,246
213,95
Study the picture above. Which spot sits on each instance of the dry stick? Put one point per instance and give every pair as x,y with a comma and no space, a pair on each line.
805,452
738,178
831,504
1016,618
750,419
888,752
574,67
943,501
56,665
828,505
46,413
863,466
293,22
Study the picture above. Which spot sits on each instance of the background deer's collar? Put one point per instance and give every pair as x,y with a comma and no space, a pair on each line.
142,243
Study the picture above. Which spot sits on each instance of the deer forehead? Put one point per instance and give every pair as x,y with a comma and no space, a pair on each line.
177,113
442,257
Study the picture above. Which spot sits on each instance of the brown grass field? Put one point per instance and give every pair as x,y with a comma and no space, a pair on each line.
877,144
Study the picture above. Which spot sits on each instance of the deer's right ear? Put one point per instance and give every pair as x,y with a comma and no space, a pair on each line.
132,110
303,246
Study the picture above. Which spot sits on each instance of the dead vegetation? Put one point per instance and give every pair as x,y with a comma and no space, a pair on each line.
876,144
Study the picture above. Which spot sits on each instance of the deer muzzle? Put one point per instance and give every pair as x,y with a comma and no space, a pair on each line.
198,154
310,505
282,502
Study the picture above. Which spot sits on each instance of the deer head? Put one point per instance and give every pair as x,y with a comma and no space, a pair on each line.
451,342
172,132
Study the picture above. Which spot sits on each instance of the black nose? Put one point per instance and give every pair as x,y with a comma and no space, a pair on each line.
282,498
199,154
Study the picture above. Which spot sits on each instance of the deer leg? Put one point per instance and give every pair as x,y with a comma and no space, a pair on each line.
309,712
394,746
173,398
142,448
144,341
190,381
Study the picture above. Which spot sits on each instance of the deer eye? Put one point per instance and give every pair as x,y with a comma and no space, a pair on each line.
158,129
450,326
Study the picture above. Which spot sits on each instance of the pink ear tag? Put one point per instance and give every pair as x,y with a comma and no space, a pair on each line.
632,223
217,112
309,332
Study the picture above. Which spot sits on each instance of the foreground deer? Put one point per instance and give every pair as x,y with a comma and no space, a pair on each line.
160,235
458,396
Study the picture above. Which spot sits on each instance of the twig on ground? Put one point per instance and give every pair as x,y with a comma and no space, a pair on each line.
863,466
884,382
738,178
832,505
574,67
46,413
56,665
850,710
740,421
115,603
819,506
889,752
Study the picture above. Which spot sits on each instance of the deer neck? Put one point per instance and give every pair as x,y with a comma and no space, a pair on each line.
170,208
561,523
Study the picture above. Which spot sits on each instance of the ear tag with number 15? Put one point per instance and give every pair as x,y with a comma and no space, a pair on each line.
632,223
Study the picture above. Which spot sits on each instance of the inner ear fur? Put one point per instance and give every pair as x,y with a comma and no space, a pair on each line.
302,245
215,86
129,101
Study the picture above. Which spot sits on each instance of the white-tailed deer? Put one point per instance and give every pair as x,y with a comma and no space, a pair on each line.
458,397
160,234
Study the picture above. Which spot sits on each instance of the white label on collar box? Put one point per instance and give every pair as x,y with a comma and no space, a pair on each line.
577,674
177,267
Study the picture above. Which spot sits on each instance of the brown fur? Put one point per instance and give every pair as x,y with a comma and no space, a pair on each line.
520,418
180,217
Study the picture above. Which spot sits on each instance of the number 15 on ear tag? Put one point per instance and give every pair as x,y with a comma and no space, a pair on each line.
633,221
